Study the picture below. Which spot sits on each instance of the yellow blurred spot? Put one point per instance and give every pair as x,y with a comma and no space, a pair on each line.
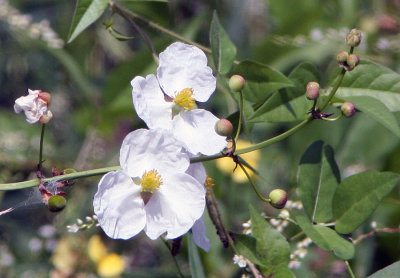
96,249
111,265
226,164
64,258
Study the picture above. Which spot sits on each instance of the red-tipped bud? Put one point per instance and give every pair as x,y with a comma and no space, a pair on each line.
57,203
45,96
46,117
348,109
354,38
312,91
236,83
224,127
352,61
278,198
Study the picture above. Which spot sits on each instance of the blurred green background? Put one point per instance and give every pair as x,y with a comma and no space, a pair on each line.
89,82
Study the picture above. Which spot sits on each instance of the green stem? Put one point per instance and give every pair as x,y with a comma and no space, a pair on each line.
41,147
173,258
240,116
349,269
72,176
253,185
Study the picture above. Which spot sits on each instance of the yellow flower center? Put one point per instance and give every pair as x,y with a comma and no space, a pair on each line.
150,181
185,99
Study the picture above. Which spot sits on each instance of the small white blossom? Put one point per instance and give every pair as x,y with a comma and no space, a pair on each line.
73,228
152,191
168,100
33,106
294,264
240,261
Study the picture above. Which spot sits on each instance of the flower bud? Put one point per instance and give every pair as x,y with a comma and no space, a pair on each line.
236,83
348,109
45,118
45,96
278,198
223,127
354,38
341,58
312,91
352,61
57,203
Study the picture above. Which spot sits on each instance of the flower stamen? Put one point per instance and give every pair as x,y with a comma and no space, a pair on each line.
185,99
150,181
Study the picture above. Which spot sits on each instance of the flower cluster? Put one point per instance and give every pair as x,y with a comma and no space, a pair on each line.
157,190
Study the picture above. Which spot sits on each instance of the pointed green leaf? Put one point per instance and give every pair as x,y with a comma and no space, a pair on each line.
373,80
223,50
272,247
300,76
318,177
196,267
391,271
357,197
326,238
86,12
261,80
377,110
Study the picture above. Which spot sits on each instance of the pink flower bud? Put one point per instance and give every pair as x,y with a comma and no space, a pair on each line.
45,96
348,109
236,83
354,38
352,61
224,127
312,91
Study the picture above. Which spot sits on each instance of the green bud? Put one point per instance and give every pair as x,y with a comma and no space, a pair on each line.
278,198
354,38
236,83
348,109
341,58
224,127
57,203
69,171
352,61
312,91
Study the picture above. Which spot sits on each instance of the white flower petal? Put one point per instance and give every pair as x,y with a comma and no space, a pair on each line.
32,105
180,202
144,150
195,128
149,102
185,66
119,206
197,171
200,236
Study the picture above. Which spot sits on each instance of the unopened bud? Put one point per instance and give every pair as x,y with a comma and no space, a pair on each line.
45,96
236,83
348,109
341,58
354,38
278,198
352,61
224,127
46,117
57,203
312,91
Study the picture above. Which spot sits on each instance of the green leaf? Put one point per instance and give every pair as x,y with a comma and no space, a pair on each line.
223,50
196,267
283,273
271,246
373,80
86,12
391,271
326,238
357,197
261,80
317,178
300,76
246,246
377,110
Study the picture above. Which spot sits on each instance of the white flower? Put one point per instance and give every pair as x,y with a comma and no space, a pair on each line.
199,235
151,192
33,106
240,261
168,101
